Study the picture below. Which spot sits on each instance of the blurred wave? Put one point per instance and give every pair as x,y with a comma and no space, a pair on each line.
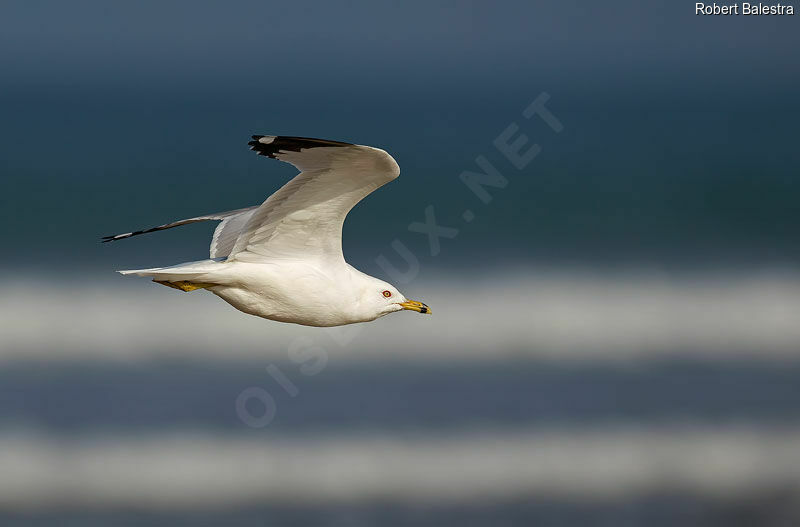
200,470
563,314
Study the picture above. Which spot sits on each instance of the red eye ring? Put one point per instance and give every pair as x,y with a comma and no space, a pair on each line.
387,293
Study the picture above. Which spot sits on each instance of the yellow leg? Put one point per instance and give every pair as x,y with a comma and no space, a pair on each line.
184,285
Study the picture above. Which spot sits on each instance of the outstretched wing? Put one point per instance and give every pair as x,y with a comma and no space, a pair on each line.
225,235
304,218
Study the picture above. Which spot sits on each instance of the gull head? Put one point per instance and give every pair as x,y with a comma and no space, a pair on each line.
379,298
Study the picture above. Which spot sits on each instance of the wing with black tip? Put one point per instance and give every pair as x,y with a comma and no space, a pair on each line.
304,218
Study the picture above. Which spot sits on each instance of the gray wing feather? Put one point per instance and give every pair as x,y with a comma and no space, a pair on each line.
228,230
224,236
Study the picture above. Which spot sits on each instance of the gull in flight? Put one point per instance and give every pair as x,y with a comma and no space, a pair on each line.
282,260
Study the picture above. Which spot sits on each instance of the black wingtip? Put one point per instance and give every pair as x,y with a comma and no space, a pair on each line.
112,238
285,143
129,234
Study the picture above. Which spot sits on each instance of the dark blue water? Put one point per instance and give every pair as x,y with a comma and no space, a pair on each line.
622,184
397,397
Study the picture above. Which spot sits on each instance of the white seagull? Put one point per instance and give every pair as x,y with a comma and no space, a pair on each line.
282,260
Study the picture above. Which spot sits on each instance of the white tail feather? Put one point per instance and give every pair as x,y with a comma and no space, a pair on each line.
184,271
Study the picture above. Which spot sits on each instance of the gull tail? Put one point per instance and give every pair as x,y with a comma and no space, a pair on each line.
186,276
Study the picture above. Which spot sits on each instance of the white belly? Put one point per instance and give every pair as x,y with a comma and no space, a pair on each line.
289,292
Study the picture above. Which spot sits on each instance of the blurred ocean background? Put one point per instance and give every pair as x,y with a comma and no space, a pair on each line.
615,338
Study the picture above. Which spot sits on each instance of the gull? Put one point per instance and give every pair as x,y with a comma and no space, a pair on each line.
282,260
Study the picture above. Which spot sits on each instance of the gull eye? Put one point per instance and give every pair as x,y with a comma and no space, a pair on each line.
387,293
